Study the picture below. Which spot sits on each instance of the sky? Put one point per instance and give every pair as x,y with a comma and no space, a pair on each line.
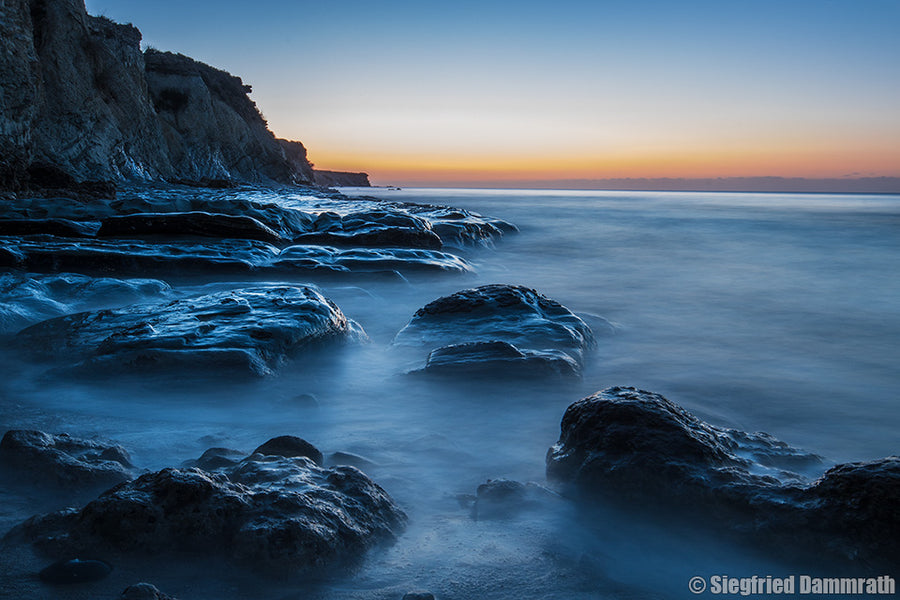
419,92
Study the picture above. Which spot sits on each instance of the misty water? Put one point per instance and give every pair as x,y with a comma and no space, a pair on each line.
763,312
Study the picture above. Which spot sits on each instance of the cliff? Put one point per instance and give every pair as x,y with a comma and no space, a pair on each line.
341,179
80,99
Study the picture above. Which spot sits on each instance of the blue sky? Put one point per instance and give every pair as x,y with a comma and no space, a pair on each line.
417,90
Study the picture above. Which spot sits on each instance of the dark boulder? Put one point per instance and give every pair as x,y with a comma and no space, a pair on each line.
639,450
63,460
188,224
636,447
275,513
248,330
498,326
857,502
290,446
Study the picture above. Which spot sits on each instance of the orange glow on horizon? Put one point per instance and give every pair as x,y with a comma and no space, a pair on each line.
784,162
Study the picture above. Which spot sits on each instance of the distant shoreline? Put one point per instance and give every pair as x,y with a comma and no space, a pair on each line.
751,185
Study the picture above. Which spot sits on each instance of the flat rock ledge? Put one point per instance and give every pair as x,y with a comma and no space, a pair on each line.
278,514
639,450
247,330
498,328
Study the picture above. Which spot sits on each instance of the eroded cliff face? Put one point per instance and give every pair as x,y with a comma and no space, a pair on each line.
79,95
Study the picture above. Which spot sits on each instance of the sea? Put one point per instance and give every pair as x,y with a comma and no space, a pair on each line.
768,312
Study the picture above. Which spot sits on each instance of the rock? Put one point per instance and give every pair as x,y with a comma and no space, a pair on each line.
248,330
272,513
64,460
418,595
359,260
490,358
30,298
56,227
133,257
461,228
374,228
290,446
75,571
188,224
224,256
144,591
857,502
341,179
499,326
216,458
637,449
504,498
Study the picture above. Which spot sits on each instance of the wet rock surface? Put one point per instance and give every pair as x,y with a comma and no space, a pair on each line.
270,512
495,327
636,448
63,460
248,330
30,298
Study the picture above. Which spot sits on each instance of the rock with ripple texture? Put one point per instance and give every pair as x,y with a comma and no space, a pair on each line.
247,330
499,326
30,298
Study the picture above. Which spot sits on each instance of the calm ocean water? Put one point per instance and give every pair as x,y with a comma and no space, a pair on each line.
765,312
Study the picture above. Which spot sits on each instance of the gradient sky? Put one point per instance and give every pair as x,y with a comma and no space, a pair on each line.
421,92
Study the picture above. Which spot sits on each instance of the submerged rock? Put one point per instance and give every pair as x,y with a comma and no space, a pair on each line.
637,449
30,298
75,571
249,330
505,498
280,514
499,327
64,460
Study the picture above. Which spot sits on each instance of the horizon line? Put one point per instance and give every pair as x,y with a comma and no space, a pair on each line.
775,184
